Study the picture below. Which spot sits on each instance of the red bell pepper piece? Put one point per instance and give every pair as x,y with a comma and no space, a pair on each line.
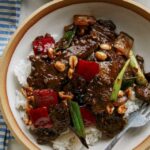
87,69
45,97
88,117
40,117
42,43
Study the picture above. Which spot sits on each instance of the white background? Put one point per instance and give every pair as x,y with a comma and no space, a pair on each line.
28,6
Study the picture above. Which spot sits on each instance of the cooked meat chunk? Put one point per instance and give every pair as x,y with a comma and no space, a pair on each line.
95,94
60,117
102,34
110,69
123,43
44,75
107,24
45,135
110,125
143,92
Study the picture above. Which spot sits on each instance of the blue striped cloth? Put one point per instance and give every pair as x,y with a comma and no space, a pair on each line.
9,19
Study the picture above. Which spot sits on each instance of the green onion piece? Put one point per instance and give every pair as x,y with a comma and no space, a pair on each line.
69,35
118,82
140,79
77,121
77,118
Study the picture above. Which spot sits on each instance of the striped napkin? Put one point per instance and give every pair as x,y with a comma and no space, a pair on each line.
9,19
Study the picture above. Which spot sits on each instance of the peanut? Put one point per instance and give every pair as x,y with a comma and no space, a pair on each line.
27,121
60,66
65,96
50,53
130,93
120,93
122,109
73,61
105,46
101,56
70,73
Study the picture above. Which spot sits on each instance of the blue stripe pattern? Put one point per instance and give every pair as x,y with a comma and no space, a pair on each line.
9,18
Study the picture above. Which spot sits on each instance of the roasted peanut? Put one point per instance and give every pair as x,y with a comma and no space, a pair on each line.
60,66
27,121
27,91
120,93
130,93
50,53
70,73
105,46
122,109
101,56
65,96
73,61
110,109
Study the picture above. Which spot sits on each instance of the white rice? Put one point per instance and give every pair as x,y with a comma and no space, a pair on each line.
20,101
67,141
22,71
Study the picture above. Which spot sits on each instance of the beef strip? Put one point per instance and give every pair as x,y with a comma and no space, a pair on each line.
110,125
84,46
103,34
45,135
107,24
60,117
143,92
44,75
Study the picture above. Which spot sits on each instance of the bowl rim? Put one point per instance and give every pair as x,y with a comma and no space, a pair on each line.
29,22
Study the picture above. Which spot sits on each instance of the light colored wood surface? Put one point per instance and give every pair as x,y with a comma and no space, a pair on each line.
17,37
0,60
145,145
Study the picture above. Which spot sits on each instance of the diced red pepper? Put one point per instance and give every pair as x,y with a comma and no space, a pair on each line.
88,117
40,118
45,97
87,69
42,43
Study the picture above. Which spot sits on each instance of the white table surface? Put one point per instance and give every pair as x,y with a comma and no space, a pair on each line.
28,6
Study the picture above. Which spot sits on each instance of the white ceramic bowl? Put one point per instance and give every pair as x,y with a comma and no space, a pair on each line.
128,16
